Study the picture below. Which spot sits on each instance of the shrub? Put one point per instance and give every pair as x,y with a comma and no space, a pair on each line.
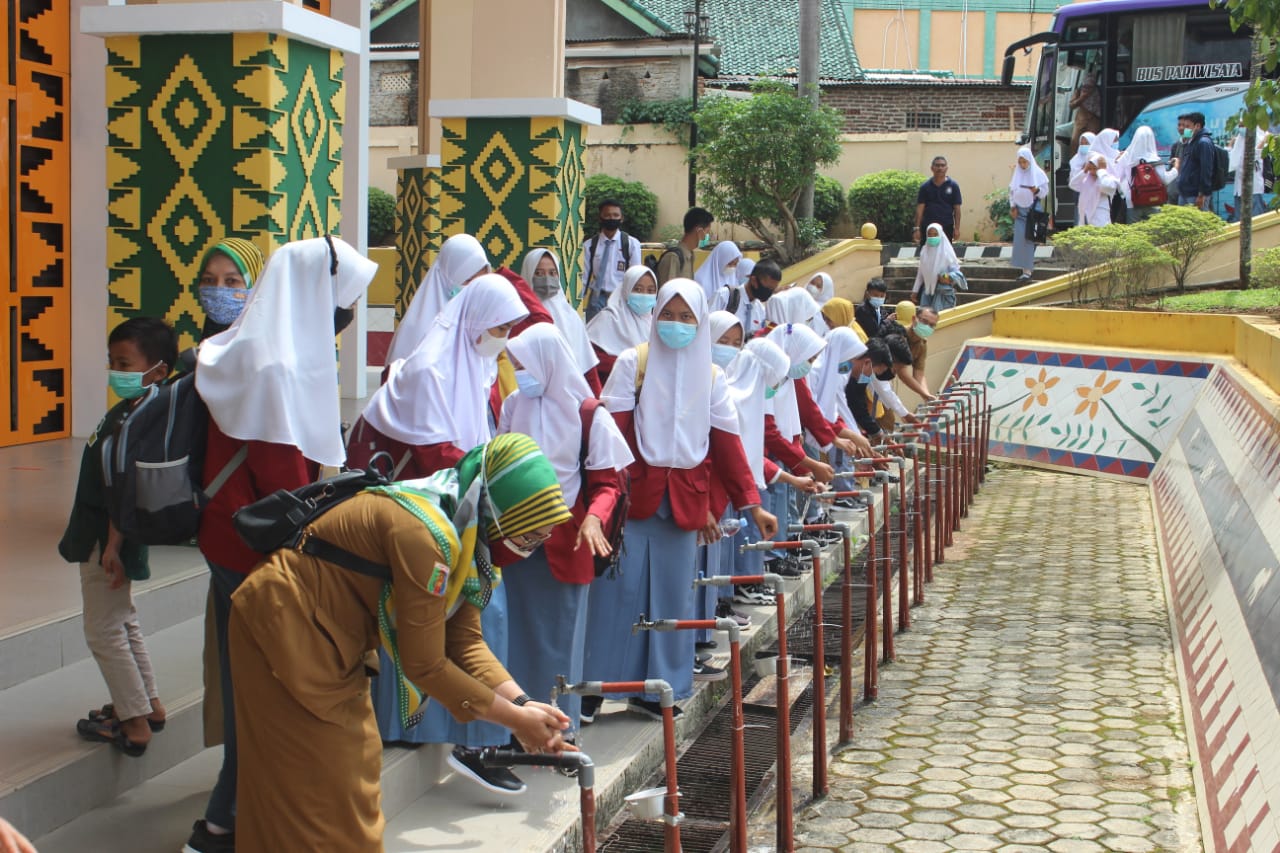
639,206
382,216
675,115
828,202
887,199
1184,233
1266,268
1001,214
1118,261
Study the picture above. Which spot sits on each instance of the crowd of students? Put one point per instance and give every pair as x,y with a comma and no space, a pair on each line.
520,439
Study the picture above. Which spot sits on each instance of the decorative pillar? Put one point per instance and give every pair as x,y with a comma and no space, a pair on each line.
511,173
223,120
417,222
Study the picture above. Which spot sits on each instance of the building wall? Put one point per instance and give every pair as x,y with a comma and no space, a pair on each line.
937,39
882,39
584,80
393,92
870,108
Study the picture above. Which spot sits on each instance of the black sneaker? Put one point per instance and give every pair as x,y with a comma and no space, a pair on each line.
724,610
706,645
787,569
499,780
701,657
204,841
704,671
590,707
652,710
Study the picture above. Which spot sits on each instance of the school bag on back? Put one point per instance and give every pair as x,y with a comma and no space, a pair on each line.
1147,189
153,465
652,261
1221,167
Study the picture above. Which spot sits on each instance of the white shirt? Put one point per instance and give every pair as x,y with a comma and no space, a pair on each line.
611,278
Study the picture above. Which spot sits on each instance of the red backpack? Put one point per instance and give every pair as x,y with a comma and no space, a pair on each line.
1148,189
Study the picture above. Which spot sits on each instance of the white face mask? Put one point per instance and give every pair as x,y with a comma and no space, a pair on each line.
489,346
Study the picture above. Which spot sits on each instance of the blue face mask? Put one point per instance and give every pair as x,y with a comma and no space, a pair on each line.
705,241
223,304
1084,151
769,393
454,291
127,383
642,303
933,241
529,387
846,367
676,335
800,371
722,354
876,301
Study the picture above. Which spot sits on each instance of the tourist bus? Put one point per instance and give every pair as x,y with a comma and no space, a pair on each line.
1147,61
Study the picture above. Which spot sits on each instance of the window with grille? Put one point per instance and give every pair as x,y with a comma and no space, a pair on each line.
396,82
923,121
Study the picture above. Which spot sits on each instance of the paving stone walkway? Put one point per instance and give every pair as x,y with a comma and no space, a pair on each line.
1034,704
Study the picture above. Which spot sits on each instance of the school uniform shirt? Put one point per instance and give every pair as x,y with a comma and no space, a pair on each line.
750,312
619,252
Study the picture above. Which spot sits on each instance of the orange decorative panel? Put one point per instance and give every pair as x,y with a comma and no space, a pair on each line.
35,319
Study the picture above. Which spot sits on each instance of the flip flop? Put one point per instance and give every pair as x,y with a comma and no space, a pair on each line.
107,713
100,732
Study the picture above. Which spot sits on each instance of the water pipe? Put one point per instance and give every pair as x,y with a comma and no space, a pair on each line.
578,761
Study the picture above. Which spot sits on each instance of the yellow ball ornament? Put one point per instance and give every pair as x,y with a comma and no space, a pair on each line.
869,231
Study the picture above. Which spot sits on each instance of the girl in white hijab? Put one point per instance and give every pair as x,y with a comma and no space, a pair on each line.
1141,148
1107,144
822,288
677,417
794,305
1028,186
432,408
461,260
541,268
726,338
626,318
744,268
1079,158
1236,164
548,630
937,261
1094,187
720,269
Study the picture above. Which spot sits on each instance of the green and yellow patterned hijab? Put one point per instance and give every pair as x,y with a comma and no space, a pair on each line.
511,486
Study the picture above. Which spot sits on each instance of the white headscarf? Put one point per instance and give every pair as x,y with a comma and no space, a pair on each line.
554,419
1032,176
1141,147
800,343
793,305
744,268
439,394
721,322
684,396
617,328
271,376
1105,144
761,365
1077,159
568,322
935,260
826,380
711,275
1236,160
826,289
460,257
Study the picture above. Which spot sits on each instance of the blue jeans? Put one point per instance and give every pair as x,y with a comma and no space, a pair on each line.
222,801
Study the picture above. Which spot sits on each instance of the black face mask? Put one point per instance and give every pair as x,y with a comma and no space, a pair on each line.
886,376
610,225
342,318
759,291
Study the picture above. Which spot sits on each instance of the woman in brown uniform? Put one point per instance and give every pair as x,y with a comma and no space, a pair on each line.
310,755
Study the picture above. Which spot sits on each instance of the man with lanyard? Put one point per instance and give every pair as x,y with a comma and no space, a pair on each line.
938,201
606,256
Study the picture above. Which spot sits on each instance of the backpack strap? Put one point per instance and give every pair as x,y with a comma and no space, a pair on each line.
625,242
735,299
642,363
330,553
591,257
587,412
237,459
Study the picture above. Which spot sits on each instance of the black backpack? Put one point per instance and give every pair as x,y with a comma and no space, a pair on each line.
735,299
1221,167
153,465
613,525
652,261
280,519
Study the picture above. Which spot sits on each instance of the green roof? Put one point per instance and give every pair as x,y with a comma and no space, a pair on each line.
761,38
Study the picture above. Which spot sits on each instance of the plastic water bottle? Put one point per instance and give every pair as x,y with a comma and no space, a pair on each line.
731,526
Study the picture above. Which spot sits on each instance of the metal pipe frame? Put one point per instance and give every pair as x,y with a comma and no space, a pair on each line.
580,761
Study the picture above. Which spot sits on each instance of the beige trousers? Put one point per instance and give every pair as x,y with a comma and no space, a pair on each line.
112,632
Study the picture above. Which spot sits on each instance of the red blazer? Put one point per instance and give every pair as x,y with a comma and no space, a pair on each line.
811,416
784,449
267,468
605,367
689,489
577,566
424,460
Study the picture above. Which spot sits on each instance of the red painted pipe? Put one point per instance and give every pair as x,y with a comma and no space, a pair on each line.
671,832
820,786
870,632
786,820
587,804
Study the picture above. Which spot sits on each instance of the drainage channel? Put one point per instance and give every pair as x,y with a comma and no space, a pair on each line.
703,767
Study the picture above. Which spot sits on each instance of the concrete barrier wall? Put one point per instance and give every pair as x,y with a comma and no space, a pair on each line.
1216,494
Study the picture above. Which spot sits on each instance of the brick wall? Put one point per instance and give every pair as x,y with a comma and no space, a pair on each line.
393,92
586,82
944,107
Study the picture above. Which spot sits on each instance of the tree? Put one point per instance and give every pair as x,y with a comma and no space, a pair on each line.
1183,232
755,156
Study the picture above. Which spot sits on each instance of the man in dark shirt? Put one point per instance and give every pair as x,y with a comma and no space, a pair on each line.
938,201
1195,167
870,311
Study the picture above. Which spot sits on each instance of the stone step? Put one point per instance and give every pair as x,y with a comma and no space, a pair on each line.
175,593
